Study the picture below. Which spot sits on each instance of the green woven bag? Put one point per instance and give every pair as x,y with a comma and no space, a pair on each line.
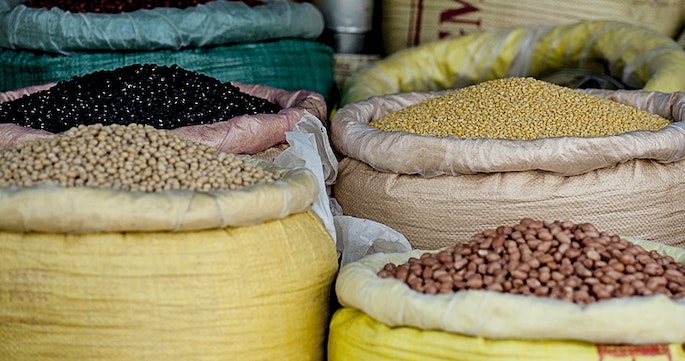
290,64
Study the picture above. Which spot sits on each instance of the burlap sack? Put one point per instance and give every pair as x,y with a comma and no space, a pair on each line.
407,23
639,57
93,274
440,190
245,134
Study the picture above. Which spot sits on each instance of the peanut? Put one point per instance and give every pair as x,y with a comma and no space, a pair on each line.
560,259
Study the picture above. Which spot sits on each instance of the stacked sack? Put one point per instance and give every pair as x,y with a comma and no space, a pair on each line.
435,189
136,247
270,43
479,285
408,23
162,240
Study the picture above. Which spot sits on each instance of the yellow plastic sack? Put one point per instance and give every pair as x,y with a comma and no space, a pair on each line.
92,274
383,319
641,58
356,336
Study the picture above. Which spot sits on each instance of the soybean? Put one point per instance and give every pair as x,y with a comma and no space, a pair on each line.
133,157
518,108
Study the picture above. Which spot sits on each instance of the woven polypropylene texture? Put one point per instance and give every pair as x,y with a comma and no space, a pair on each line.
290,64
214,23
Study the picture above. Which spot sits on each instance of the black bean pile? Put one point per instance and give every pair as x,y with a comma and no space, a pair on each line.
118,6
165,97
560,260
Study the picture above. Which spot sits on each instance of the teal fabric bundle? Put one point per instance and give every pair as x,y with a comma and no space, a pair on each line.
214,23
290,64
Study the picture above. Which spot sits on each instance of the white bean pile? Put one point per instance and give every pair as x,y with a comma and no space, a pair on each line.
130,157
561,260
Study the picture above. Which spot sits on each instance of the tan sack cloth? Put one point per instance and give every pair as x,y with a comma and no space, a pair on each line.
435,190
635,320
639,57
407,153
244,134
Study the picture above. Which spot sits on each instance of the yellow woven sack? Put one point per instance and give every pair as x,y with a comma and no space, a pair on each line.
356,336
88,274
383,319
641,58
408,23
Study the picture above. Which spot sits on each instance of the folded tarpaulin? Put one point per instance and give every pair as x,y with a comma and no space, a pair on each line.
214,23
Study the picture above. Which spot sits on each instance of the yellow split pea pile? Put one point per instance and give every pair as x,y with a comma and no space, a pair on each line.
518,108
130,157
561,260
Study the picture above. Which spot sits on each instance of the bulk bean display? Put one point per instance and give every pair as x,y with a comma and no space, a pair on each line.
165,97
117,6
131,157
560,260
518,108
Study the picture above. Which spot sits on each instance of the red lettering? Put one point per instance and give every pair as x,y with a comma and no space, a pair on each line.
452,15
457,16
633,351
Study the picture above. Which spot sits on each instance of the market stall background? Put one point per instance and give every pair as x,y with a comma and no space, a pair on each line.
283,284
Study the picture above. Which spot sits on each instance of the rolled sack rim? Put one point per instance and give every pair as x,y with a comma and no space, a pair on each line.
500,315
56,209
638,56
406,153
250,134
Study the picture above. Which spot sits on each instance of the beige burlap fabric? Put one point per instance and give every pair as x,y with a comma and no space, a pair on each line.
440,190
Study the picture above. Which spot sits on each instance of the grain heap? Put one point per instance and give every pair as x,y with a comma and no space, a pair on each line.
134,157
561,260
518,108
165,97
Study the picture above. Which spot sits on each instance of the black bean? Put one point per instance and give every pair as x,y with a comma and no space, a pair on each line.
119,6
165,97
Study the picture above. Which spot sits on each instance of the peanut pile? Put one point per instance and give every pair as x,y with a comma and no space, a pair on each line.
560,260
130,157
